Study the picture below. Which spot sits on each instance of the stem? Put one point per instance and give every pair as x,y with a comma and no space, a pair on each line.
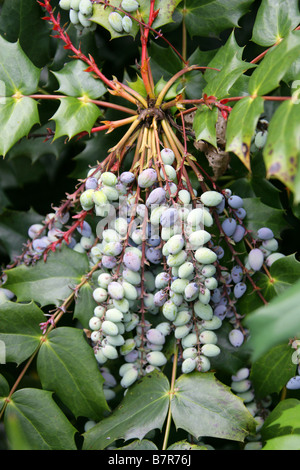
171,394
145,71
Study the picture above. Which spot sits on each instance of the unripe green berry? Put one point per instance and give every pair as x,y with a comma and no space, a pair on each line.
177,260
129,377
208,337
116,340
189,341
169,310
186,270
109,351
65,4
204,363
128,346
115,21
241,386
74,4
210,350
178,285
100,295
110,328
114,315
108,178
182,331
203,311
182,318
127,24
156,358
214,324
189,353
188,365
205,255
99,198
95,323
211,198
86,199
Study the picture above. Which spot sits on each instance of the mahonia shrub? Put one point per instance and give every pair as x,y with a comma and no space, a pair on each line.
149,225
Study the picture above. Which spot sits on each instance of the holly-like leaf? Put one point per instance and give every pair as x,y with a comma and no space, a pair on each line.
274,20
74,116
22,20
144,444
20,331
211,17
231,67
271,372
74,81
260,215
33,421
282,150
143,408
18,77
50,282
241,127
203,406
267,76
204,125
280,318
17,117
66,365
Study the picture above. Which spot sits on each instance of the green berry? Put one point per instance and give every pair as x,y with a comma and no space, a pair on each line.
129,5
65,4
115,21
127,24
156,358
188,365
110,328
211,198
210,350
129,377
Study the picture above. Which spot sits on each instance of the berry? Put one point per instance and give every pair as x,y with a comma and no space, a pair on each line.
236,338
147,178
156,358
265,233
129,377
211,198
115,21
129,5
188,365
256,259
239,289
236,202
229,226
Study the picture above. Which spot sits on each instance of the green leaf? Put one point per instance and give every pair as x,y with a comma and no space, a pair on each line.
84,305
66,365
185,445
204,125
18,75
203,406
281,429
271,372
274,20
282,150
20,330
280,318
274,65
50,282
74,116
260,215
144,444
229,61
33,421
22,19
17,117
143,408
14,229
74,81
241,126
283,443
211,17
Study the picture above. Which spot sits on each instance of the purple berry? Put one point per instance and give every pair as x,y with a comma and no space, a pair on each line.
238,234
91,183
236,274
236,202
127,177
265,233
229,227
239,289
157,196
132,261
241,213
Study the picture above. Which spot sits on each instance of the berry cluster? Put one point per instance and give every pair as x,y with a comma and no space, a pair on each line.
80,12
